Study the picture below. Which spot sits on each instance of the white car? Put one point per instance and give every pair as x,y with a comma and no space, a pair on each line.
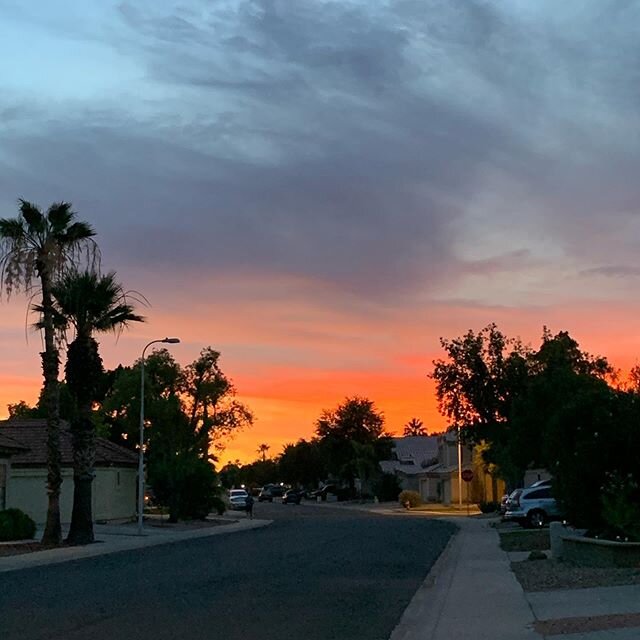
238,499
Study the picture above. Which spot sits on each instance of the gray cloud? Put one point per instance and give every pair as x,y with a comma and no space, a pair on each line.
344,141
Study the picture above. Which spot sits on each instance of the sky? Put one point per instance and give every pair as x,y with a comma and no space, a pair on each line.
320,190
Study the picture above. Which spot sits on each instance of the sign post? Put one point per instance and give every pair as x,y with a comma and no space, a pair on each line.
467,476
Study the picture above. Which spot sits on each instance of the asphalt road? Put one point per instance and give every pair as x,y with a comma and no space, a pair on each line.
315,574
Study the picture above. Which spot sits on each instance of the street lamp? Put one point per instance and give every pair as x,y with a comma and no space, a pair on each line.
141,451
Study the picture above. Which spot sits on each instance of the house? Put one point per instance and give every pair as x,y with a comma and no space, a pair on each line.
429,465
23,473
410,457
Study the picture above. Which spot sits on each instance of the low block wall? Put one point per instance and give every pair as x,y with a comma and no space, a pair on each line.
589,552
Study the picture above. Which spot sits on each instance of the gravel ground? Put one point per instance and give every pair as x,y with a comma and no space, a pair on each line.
23,547
546,575
525,540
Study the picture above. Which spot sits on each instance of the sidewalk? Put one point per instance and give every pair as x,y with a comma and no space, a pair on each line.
471,594
114,538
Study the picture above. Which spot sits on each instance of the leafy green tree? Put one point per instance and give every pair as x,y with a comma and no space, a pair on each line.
188,412
414,427
230,475
259,472
302,463
86,303
208,398
355,420
571,421
21,410
39,247
476,386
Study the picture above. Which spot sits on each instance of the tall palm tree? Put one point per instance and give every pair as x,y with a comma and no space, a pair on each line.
87,303
37,247
262,451
415,427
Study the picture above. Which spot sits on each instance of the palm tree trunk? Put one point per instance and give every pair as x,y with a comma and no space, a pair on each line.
50,369
83,367
84,447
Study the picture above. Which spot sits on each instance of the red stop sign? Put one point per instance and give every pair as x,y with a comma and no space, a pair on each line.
467,475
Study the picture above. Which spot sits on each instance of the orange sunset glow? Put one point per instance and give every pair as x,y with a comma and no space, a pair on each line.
321,202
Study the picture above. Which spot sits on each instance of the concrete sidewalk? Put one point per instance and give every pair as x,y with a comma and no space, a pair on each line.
115,538
472,594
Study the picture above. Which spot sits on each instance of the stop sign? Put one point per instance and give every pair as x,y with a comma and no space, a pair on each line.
467,475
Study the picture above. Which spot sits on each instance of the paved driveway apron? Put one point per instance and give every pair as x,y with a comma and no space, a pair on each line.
316,573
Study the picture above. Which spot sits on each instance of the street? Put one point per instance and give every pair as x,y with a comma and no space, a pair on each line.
316,573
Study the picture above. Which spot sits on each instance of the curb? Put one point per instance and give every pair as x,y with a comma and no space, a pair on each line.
407,626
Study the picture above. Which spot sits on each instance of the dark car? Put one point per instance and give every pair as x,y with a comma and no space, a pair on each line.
292,496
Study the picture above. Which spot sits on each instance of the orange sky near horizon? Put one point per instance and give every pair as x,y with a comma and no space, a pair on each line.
289,367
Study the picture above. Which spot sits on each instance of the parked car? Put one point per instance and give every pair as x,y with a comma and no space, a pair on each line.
269,492
238,499
533,506
292,496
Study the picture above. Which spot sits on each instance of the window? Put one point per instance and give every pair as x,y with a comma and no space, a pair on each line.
539,494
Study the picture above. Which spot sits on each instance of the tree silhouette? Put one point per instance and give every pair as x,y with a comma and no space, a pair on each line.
414,427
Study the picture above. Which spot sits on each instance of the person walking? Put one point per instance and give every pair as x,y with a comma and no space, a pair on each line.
249,506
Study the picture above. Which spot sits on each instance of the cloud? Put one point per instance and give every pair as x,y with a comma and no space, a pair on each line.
372,149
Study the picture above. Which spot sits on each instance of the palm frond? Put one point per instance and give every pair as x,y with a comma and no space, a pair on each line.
33,216
11,229
59,215
78,231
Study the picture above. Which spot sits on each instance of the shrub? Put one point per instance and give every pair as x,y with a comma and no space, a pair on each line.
16,525
387,488
410,499
620,508
218,505
489,507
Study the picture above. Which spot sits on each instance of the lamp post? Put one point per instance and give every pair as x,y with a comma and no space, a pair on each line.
141,450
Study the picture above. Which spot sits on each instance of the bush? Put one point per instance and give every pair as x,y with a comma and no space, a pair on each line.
16,525
489,507
387,488
187,485
410,499
218,505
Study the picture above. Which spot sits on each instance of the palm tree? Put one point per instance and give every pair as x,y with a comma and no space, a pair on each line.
262,450
414,427
88,303
37,247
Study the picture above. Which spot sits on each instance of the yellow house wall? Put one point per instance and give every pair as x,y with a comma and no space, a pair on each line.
27,490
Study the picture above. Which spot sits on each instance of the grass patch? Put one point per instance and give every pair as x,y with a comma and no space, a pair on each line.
525,540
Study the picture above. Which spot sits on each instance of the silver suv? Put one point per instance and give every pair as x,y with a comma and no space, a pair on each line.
533,506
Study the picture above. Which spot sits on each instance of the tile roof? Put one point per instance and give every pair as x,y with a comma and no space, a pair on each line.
29,437
10,445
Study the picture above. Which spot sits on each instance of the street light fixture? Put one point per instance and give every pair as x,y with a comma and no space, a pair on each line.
141,450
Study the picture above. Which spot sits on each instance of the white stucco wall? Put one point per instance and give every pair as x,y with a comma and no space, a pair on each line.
114,493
